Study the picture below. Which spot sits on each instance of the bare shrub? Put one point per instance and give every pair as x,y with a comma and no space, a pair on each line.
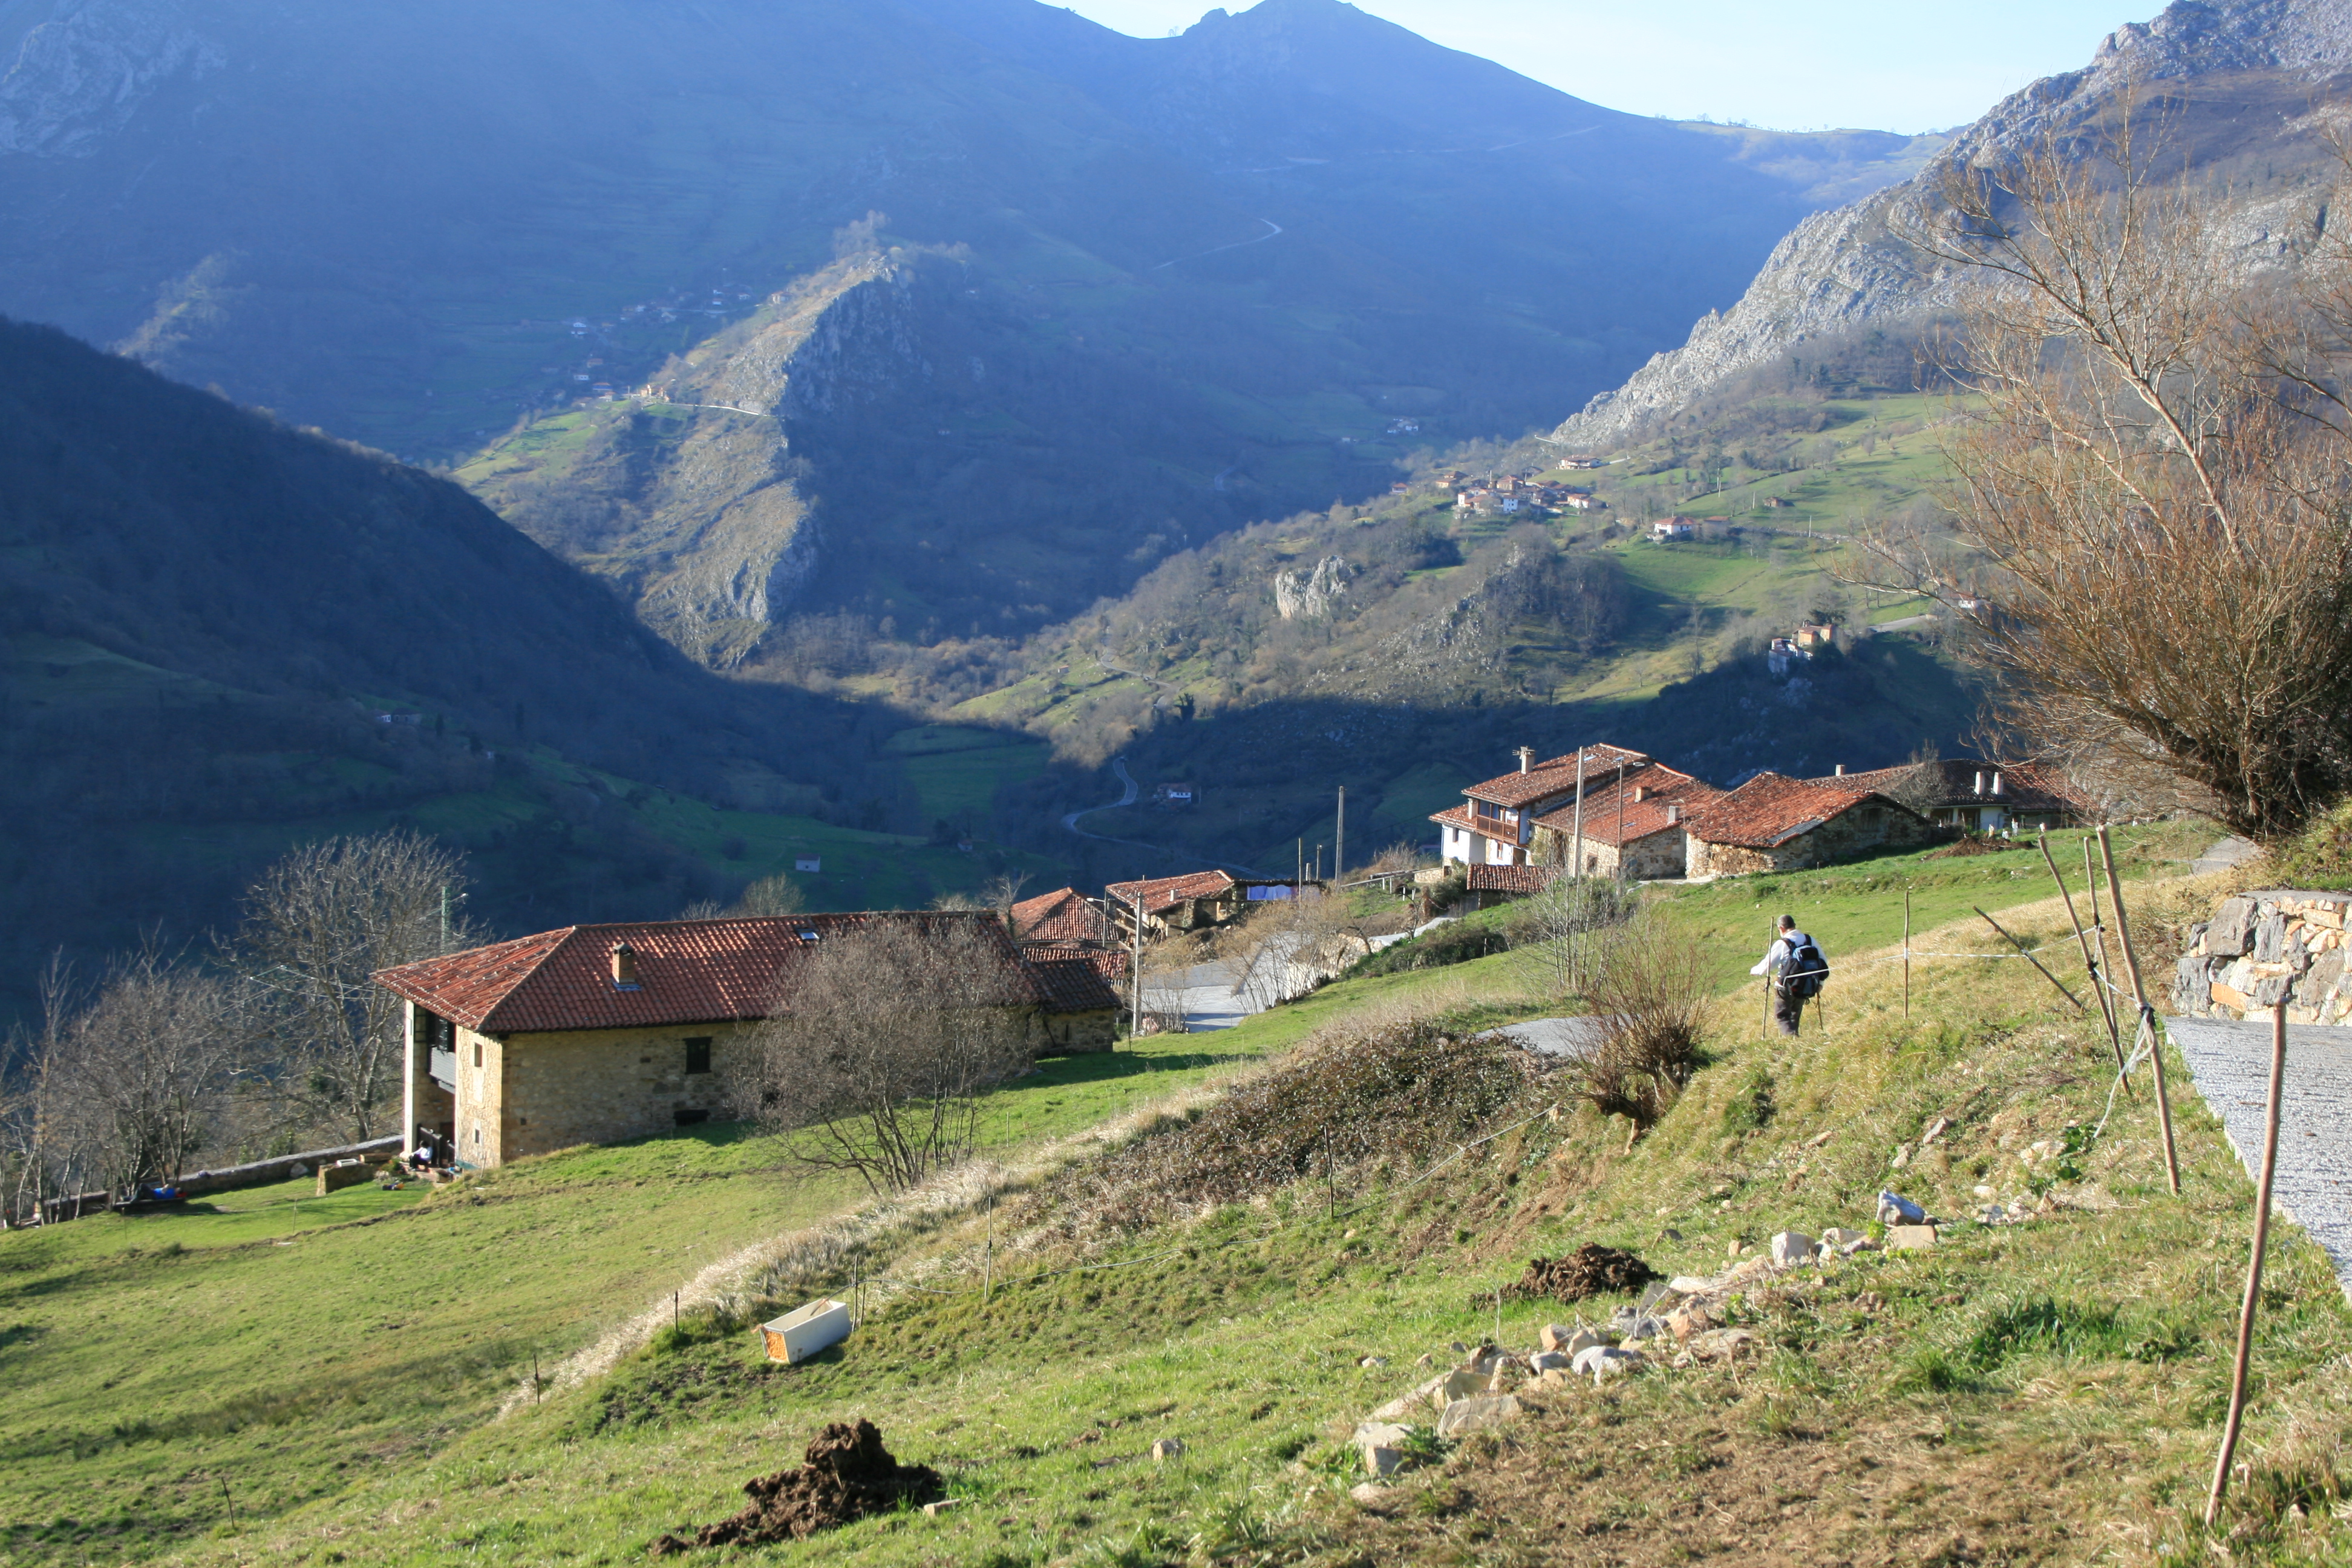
2151,551
885,1042
137,1081
319,924
1398,1092
1648,992
776,895
1560,924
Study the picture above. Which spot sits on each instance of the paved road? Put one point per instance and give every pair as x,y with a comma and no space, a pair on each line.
2231,1064
2225,854
1118,767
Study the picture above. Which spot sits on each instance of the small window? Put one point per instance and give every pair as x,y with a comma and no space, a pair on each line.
477,1060
697,1054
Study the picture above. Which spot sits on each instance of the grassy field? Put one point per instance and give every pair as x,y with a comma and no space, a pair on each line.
2047,1390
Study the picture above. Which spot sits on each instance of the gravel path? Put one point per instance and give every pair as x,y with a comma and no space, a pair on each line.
2231,1063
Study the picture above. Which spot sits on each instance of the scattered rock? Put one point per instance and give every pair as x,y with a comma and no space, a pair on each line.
1591,1270
1425,1359
1605,1362
1985,1192
1477,1414
1721,1344
1910,1237
1792,1247
1733,1250
1545,1361
847,1474
942,1506
1458,1384
1167,1448
1555,1336
1582,1340
1936,1130
1817,1139
1841,1240
1902,1157
1373,1360
1458,1348
1367,1491
1893,1209
1688,1320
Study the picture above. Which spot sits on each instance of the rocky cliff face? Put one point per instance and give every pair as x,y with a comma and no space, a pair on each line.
2243,81
81,75
686,492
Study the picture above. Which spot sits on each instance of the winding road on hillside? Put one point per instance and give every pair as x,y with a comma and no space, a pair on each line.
1128,790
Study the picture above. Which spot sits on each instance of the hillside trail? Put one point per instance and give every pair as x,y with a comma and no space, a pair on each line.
1130,791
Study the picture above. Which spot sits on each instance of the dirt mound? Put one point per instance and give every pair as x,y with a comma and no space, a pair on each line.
1975,844
1591,1270
848,1475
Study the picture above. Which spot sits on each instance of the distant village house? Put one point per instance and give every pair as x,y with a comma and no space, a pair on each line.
1774,822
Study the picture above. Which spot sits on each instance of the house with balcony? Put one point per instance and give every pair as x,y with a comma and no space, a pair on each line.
593,1034
1513,819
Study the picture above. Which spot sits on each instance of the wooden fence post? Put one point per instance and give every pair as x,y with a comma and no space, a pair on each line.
2147,1024
2254,1270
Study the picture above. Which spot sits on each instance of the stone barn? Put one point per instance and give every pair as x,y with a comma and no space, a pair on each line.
1774,822
595,1034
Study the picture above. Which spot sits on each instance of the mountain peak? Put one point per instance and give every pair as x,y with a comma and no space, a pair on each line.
2189,38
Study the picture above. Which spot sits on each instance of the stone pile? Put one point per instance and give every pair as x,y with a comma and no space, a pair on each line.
2262,948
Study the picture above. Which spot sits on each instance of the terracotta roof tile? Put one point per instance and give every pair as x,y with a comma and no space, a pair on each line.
1454,817
1078,979
1556,776
1659,787
1160,893
1065,917
1772,808
1511,878
688,972
1952,780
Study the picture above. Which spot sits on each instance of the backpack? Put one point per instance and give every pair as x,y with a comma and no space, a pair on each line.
1807,970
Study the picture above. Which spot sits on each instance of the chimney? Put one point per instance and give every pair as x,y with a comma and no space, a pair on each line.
1674,814
1996,781
1527,755
1979,785
1839,771
1641,793
624,964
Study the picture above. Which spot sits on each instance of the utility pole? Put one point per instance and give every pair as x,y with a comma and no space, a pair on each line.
1339,847
1135,965
1621,819
1301,877
1577,873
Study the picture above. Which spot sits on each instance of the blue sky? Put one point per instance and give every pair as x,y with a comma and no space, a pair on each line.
1829,63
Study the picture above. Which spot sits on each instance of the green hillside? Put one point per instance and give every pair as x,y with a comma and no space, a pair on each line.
2070,1363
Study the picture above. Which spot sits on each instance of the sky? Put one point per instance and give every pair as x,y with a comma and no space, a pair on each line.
1829,63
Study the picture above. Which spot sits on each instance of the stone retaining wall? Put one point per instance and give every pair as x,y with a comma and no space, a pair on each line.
2262,948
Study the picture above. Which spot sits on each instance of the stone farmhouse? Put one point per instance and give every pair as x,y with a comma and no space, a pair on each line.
1774,822
1190,902
597,1033
1974,795
1074,948
1631,819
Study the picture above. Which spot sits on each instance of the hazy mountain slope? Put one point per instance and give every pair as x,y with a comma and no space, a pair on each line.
219,634
1196,278
2240,91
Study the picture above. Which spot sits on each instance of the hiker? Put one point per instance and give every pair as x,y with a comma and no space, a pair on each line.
1797,971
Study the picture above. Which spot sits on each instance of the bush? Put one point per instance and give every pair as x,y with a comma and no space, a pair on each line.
1400,1093
1648,993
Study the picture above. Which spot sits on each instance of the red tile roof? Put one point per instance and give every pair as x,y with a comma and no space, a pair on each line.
1078,979
688,972
1511,878
1160,893
1454,817
1952,780
1064,916
1554,777
1660,786
1772,808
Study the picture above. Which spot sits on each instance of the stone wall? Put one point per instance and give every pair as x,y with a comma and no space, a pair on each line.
2262,948
535,1093
1647,859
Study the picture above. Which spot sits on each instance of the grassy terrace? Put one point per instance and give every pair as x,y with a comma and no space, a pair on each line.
2047,1392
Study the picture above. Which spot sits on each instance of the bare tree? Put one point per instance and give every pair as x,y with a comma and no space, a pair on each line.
776,895
1648,991
1556,925
1004,890
41,1153
883,1044
134,1083
317,924
2153,469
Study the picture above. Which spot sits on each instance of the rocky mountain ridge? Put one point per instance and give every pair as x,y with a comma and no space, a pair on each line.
2241,85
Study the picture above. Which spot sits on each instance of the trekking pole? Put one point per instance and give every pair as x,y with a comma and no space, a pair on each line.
1906,954
1767,984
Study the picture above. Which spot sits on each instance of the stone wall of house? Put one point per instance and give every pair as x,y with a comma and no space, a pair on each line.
1073,1034
2262,948
1655,854
535,1093
1871,825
